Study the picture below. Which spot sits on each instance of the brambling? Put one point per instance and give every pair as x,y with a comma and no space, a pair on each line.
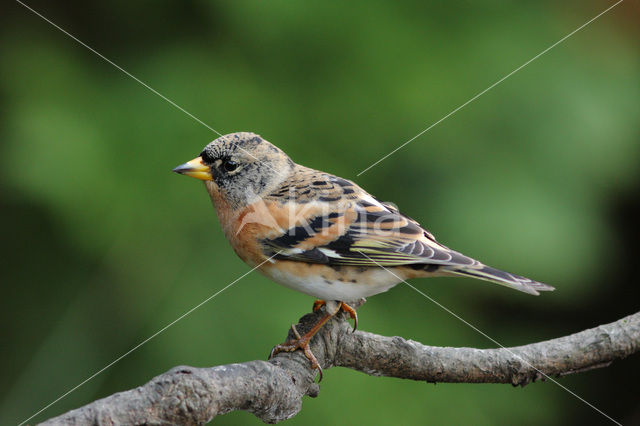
321,234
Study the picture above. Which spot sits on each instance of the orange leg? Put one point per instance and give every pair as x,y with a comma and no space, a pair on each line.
352,313
346,308
318,304
302,342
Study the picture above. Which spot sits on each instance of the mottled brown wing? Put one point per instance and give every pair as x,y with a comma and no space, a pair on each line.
356,229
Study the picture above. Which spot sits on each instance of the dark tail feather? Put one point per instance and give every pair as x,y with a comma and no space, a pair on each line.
501,277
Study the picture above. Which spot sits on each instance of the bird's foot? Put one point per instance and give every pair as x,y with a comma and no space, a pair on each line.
300,342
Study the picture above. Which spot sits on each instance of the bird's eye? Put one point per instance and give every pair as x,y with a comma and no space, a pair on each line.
230,165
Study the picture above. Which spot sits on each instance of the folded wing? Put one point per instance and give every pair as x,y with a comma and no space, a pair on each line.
371,234
358,230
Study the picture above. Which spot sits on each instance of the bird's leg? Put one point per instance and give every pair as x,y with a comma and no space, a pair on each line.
346,308
352,313
318,304
302,342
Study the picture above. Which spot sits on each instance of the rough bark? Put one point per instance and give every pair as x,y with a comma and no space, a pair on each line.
273,390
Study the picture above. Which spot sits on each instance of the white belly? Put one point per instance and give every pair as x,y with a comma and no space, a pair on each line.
371,282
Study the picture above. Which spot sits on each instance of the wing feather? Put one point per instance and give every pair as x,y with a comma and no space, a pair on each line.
376,234
338,223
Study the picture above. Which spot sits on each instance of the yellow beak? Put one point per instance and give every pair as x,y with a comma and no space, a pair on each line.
195,168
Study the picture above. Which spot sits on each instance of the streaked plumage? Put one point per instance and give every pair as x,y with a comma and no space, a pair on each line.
328,237
330,233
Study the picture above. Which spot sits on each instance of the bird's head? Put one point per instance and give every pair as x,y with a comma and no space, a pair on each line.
239,168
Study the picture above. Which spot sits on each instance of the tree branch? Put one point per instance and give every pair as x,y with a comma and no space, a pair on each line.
273,390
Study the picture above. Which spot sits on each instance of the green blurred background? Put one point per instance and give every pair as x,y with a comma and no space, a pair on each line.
103,245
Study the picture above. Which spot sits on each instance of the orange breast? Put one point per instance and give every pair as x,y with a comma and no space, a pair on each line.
271,219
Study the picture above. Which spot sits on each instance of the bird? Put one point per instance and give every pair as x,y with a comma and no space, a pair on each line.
321,234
